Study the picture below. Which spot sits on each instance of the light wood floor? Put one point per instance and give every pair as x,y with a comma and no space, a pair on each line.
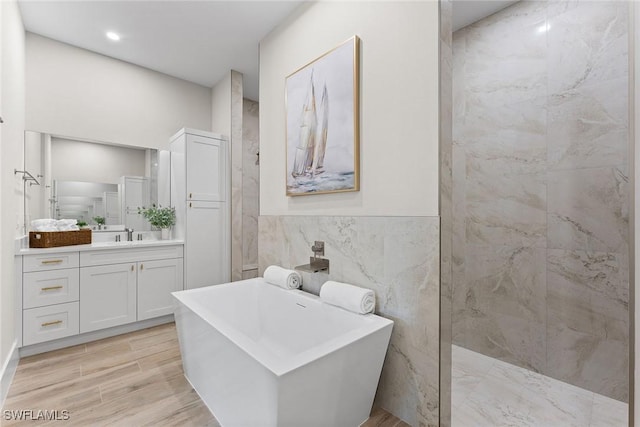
134,379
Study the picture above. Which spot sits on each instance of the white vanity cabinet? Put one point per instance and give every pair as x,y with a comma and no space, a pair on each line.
70,293
122,286
50,294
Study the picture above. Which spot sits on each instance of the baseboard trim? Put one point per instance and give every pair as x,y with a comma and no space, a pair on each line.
44,347
8,371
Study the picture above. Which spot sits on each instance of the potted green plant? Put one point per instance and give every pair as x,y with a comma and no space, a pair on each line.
100,220
159,217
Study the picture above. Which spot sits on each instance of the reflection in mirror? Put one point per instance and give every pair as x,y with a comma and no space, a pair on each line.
85,201
87,179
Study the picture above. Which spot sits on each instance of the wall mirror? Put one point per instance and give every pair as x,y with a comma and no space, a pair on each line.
84,180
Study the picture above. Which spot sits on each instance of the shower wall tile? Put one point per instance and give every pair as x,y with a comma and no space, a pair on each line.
588,320
443,362
540,190
458,89
505,209
520,52
588,285
589,361
236,175
458,237
397,257
588,127
250,182
510,139
588,210
506,22
501,304
515,134
588,43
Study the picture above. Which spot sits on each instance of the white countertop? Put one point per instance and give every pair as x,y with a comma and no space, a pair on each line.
97,246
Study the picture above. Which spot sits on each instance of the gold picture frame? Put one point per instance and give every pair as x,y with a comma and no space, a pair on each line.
322,123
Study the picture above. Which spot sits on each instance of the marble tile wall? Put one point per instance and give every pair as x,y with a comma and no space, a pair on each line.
446,207
236,145
397,257
250,188
540,190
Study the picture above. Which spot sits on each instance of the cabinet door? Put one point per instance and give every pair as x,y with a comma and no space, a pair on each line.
111,207
107,295
206,245
206,169
135,194
156,281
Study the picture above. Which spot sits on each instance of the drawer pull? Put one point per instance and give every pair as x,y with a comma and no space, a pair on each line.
52,261
132,268
190,195
51,288
141,266
55,322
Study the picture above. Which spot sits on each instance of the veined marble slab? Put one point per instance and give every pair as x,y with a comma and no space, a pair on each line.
397,257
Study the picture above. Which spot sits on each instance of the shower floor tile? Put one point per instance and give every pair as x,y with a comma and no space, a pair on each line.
489,392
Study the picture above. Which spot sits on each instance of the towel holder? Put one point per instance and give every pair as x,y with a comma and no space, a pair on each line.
26,176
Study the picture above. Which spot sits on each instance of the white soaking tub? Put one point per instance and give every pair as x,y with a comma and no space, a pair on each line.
262,356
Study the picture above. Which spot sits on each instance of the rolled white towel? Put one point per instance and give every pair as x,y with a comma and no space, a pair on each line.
45,228
287,279
352,298
66,222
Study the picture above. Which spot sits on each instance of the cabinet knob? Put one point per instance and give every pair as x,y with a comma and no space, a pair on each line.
191,195
190,204
132,268
141,266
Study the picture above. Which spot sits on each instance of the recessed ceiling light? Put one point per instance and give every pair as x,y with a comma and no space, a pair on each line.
113,36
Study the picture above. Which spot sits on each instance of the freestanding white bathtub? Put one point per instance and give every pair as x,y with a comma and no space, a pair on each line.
262,356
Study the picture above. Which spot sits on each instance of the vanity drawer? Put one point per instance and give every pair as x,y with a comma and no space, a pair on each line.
50,261
42,288
50,323
126,255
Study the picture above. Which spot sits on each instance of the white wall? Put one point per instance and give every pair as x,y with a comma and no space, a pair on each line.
82,161
75,92
12,110
221,106
398,106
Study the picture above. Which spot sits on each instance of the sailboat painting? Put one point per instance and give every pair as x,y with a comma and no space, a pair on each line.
322,123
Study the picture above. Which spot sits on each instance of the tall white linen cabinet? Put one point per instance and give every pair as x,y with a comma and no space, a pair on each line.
200,192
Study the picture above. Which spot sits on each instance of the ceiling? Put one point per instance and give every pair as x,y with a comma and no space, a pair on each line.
467,12
198,41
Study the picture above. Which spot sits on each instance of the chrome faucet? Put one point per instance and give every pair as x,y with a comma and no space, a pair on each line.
129,234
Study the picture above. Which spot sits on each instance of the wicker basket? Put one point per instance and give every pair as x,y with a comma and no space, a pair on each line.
52,239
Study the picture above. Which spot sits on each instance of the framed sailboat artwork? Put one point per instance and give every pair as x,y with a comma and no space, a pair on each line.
322,123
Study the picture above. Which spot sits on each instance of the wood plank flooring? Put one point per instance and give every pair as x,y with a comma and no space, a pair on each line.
134,379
